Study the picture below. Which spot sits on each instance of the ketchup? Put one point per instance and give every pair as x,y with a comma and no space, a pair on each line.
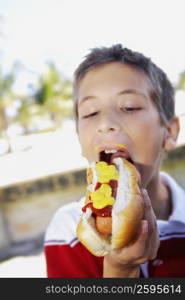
114,184
98,185
103,212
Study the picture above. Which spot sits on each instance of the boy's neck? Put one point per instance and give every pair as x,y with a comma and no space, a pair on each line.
160,197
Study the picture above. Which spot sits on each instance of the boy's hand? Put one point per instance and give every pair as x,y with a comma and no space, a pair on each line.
125,262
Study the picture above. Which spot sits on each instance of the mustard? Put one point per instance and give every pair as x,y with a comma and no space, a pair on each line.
102,197
106,172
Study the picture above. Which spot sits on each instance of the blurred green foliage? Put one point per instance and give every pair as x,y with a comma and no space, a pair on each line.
49,99
6,96
181,82
54,94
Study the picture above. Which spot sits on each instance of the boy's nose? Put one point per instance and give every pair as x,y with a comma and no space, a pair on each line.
108,124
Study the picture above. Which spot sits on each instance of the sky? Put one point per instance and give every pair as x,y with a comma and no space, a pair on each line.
63,31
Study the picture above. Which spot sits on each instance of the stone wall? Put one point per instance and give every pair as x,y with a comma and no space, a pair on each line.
27,208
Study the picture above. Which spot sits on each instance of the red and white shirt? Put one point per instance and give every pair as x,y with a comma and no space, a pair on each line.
67,257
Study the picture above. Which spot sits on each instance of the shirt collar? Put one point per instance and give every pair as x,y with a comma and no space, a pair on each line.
178,198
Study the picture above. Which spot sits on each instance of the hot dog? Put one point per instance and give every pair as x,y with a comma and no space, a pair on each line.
113,206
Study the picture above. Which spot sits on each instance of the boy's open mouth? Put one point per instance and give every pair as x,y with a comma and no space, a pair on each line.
109,155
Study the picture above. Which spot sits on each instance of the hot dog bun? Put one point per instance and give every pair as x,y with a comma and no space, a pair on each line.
127,212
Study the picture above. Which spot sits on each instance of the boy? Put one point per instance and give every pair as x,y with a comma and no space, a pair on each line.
122,98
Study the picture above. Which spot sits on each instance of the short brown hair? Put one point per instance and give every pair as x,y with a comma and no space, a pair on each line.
163,91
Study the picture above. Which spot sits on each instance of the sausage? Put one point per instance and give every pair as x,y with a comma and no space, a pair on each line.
104,225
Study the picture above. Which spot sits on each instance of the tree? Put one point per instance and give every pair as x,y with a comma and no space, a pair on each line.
54,93
26,113
181,82
6,97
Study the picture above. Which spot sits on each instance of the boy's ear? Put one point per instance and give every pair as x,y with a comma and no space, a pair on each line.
171,132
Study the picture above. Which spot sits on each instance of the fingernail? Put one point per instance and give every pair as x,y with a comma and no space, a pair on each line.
145,226
144,192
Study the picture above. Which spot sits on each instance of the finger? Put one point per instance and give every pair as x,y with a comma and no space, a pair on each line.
133,252
147,246
147,202
142,236
148,211
153,240
142,233
154,244
141,243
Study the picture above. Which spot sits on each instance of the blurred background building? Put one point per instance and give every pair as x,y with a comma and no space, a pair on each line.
41,167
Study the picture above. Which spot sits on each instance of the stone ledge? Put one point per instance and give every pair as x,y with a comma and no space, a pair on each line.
43,185
23,248
27,209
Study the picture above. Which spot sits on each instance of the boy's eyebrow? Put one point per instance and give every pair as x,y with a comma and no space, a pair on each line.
132,91
124,92
87,98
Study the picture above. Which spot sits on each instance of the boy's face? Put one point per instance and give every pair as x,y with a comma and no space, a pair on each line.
115,108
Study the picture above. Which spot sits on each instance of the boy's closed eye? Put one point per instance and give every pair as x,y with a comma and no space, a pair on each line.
90,115
124,109
131,109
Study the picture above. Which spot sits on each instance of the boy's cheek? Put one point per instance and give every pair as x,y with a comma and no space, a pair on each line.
83,141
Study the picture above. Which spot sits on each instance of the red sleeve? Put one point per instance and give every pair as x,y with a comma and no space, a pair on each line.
76,261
